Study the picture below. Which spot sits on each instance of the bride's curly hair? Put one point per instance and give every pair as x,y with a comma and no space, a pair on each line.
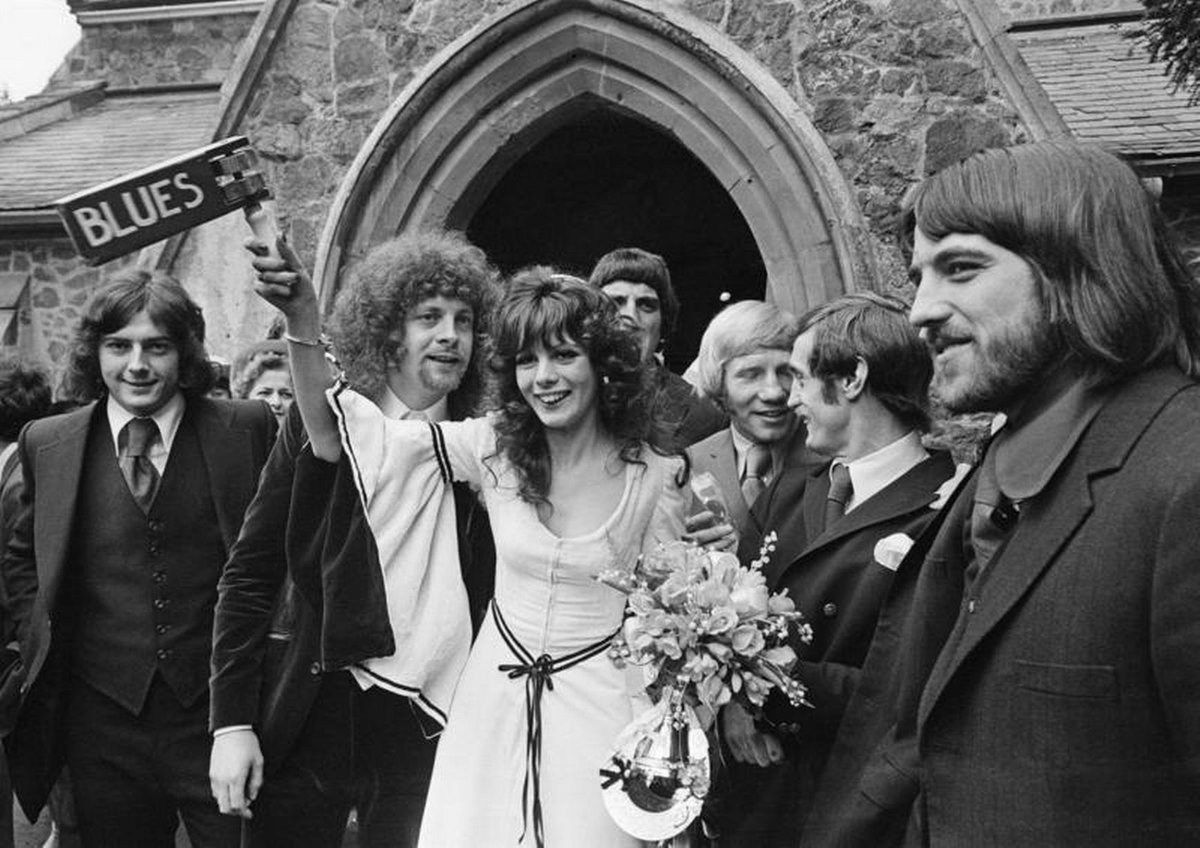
544,306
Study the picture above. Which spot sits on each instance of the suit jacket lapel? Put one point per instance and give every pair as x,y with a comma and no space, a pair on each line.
916,489
816,493
797,460
228,459
724,469
58,472
1050,519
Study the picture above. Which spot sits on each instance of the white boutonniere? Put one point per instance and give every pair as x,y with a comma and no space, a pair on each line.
890,550
947,488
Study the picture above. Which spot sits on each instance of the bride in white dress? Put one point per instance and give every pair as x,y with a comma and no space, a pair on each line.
573,485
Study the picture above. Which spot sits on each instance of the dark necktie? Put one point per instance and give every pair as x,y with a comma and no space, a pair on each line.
758,466
993,517
840,492
140,474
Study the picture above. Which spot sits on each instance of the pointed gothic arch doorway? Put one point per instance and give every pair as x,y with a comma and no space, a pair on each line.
505,93
606,180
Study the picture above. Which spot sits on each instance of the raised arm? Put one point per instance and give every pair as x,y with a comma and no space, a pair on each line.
286,285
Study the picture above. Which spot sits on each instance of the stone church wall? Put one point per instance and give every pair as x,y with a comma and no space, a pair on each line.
163,52
896,87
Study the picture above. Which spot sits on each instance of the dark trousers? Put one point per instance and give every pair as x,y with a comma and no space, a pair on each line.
135,776
364,750
760,807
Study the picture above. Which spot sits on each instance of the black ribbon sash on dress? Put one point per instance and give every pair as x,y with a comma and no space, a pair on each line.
537,673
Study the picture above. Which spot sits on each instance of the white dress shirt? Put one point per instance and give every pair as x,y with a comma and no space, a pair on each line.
167,418
874,472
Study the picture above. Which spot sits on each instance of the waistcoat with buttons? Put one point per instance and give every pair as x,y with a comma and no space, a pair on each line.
144,586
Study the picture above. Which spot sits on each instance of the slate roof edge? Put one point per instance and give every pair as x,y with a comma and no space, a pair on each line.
163,88
18,222
49,107
1175,165
1053,22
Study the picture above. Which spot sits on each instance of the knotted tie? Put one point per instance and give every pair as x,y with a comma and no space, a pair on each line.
758,466
140,474
840,492
993,518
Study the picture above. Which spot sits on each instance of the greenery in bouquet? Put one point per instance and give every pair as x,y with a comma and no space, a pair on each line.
699,622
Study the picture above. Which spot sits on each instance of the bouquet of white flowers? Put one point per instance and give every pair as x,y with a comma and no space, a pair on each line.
706,631
701,622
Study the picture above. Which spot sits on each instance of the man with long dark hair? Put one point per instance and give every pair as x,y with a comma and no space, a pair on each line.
129,507
306,696
1035,676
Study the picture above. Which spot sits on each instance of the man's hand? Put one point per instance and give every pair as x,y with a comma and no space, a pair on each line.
703,529
235,771
745,742
283,283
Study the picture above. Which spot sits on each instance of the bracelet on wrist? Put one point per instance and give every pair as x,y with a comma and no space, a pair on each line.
288,337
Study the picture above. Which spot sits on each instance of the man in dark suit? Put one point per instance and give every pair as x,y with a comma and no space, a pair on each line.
1035,677
639,283
860,378
24,396
129,507
743,368
290,686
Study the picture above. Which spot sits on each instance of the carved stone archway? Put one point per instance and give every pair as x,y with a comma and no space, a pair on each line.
500,88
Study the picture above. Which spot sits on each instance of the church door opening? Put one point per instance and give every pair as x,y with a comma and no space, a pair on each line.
604,181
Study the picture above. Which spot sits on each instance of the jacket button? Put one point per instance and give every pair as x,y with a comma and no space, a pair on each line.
315,668
163,653
830,610
162,628
971,605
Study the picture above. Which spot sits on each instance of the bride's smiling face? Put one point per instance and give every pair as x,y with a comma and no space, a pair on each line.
558,380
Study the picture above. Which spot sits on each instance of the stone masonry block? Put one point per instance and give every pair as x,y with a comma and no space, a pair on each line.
959,134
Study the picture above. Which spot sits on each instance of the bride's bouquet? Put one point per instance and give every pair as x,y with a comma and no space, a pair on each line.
701,622
705,631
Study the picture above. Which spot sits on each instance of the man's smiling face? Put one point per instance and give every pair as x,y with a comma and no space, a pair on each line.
977,308
436,348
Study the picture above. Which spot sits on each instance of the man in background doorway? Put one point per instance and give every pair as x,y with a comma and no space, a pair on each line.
639,283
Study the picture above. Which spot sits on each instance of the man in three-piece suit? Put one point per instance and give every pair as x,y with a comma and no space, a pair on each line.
1035,675
860,379
743,368
291,691
129,507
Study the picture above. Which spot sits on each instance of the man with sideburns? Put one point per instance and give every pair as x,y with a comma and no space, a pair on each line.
1034,678
129,507
311,715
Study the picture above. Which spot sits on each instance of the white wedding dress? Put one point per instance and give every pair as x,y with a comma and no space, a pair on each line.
550,604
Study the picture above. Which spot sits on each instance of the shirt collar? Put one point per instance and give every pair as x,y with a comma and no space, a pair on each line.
167,418
742,445
392,407
1037,438
877,470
